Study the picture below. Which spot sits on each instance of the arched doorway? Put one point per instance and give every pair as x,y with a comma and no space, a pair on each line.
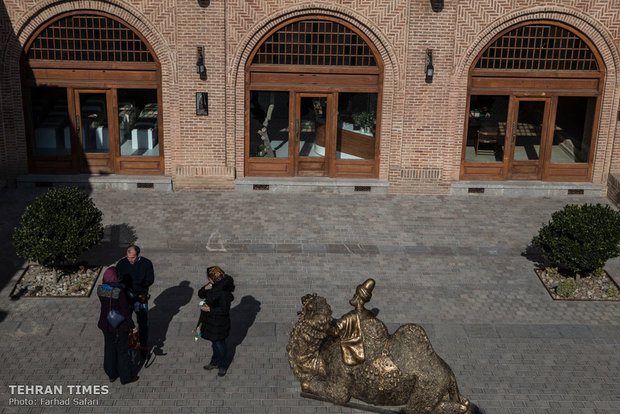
313,101
92,97
533,105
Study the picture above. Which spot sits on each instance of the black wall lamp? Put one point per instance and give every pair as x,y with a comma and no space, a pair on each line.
430,70
437,5
200,63
203,3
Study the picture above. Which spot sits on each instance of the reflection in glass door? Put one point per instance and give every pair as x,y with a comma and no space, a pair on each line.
312,126
526,138
311,134
93,122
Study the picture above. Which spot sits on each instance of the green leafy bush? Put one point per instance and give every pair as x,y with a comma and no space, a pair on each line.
612,292
580,238
566,287
58,227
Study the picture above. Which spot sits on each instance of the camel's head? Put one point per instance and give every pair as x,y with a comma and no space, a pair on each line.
316,312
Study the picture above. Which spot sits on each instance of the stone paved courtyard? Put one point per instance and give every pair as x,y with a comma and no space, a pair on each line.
455,265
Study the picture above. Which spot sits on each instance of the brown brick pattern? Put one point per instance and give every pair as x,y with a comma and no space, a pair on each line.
613,188
422,124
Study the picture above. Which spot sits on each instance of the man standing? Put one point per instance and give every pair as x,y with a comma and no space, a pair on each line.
137,274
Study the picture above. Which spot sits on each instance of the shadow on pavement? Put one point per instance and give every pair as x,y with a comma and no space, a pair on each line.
476,410
12,205
242,317
116,238
534,255
166,305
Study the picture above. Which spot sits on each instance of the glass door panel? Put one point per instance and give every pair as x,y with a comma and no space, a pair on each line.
92,121
527,131
312,133
530,121
138,122
312,126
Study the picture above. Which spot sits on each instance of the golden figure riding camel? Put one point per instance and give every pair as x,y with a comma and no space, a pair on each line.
355,356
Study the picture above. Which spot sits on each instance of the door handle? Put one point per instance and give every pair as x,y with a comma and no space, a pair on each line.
514,133
77,123
297,130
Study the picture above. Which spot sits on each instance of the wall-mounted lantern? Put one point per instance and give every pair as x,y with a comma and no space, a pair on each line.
200,63
204,3
437,5
430,70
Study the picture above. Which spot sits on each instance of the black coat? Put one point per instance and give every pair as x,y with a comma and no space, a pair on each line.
216,323
114,298
138,276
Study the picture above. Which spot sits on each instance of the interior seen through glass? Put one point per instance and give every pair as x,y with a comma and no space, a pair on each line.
486,129
137,122
528,130
312,126
94,122
269,114
357,122
51,133
572,134
573,129
356,129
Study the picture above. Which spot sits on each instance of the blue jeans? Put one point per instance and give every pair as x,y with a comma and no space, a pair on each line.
219,354
142,315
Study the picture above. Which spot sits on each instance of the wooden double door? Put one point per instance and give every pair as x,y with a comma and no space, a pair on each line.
93,130
527,137
314,118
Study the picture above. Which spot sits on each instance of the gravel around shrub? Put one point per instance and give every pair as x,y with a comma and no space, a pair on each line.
580,238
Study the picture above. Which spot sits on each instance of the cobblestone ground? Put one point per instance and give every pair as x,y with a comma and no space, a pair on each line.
452,264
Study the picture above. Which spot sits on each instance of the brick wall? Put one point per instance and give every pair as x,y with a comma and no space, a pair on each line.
422,124
613,188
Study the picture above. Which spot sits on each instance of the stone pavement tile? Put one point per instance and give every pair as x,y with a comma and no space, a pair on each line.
481,331
511,347
582,332
313,248
288,248
417,250
390,248
337,248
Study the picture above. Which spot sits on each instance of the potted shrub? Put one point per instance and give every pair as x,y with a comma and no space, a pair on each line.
357,120
57,228
578,241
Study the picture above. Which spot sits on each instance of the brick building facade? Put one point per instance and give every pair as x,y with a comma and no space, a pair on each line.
427,135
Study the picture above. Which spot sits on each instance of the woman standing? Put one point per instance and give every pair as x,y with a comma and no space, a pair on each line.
215,315
116,350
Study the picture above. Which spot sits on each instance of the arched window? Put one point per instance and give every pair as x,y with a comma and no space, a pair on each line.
315,42
533,105
89,38
313,98
93,97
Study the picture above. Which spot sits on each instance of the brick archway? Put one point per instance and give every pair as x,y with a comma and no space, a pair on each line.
36,16
392,78
585,24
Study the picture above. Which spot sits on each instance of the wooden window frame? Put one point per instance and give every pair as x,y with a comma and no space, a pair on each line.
102,76
320,79
536,83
